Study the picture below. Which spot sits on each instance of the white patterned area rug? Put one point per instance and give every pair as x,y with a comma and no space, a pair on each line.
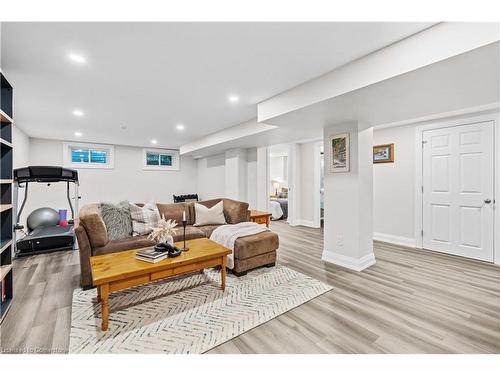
187,315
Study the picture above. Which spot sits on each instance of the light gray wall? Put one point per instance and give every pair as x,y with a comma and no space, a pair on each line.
211,176
21,143
394,184
126,181
278,169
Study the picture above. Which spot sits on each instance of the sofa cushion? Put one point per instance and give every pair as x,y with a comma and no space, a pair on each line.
114,246
208,229
144,219
209,216
117,219
234,211
173,211
256,244
95,228
191,233
242,265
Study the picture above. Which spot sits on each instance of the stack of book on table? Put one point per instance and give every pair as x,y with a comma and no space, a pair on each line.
151,255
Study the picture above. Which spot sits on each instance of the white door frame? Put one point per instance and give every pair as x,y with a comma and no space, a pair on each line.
317,184
419,169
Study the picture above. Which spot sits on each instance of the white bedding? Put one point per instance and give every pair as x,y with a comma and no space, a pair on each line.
226,235
276,211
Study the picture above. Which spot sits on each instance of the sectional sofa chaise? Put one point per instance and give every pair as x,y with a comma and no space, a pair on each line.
249,252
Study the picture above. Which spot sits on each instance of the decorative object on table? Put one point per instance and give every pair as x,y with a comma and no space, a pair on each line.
163,232
171,249
161,247
339,153
276,186
174,251
63,218
184,223
383,153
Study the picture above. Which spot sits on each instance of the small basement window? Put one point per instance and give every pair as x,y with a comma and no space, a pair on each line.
156,159
86,155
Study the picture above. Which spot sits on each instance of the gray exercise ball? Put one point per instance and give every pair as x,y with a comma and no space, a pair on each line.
43,217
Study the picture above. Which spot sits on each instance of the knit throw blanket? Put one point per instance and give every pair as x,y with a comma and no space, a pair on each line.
226,235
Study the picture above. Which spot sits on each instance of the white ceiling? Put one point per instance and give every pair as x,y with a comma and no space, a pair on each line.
151,76
469,80
465,83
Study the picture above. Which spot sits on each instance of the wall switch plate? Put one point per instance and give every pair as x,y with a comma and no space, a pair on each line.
340,240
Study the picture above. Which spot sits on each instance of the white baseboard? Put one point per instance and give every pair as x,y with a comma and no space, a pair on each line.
349,262
304,223
396,240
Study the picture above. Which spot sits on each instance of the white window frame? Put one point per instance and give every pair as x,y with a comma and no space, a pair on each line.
67,146
175,160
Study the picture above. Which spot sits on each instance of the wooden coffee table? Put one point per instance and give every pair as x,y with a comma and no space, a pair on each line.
118,271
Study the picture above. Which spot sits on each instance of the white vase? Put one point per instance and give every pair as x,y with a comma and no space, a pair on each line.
168,239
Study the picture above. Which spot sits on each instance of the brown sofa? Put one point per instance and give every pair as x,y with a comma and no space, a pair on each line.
249,252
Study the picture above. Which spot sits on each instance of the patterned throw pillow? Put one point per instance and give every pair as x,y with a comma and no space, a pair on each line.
144,219
117,220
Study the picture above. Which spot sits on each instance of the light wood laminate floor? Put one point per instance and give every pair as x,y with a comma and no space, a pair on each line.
410,301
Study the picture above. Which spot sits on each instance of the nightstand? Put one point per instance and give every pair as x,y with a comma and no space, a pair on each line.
260,217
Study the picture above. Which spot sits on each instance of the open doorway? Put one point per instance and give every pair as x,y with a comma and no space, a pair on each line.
279,181
321,186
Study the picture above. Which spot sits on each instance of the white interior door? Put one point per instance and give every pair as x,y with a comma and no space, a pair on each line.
458,175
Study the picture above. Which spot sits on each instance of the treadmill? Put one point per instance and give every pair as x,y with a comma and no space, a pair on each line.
46,238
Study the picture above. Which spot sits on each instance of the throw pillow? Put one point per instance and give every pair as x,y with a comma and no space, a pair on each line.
144,219
209,216
117,220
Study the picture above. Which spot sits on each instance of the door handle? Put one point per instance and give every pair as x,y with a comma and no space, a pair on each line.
487,201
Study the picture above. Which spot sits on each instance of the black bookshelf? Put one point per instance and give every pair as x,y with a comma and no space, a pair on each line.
6,212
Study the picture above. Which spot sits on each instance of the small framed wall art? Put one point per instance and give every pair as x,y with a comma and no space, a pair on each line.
383,153
339,153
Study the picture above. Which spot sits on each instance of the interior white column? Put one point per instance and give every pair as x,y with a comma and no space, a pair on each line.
348,227
262,178
236,174
252,177
294,177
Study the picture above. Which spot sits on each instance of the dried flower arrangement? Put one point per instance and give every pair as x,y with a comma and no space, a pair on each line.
164,231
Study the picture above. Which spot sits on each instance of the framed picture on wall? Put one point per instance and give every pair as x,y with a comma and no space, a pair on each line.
339,153
383,153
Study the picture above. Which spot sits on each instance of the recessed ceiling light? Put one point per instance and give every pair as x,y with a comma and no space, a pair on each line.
78,113
233,98
179,127
154,141
78,134
77,58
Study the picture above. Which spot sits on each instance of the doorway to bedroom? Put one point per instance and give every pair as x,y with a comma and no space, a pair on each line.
279,172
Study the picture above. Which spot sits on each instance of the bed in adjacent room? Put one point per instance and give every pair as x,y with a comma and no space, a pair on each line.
278,208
